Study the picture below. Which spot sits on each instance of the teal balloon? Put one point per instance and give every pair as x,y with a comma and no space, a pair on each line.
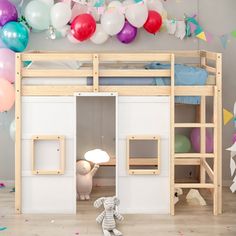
99,3
136,1
182,144
15,36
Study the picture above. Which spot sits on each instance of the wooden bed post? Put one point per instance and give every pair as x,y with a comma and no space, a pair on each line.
219,129
172,136
18,135
95,73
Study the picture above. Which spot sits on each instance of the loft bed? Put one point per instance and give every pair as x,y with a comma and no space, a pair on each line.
93,72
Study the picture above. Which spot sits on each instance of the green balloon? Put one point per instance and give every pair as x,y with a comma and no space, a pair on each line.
182,144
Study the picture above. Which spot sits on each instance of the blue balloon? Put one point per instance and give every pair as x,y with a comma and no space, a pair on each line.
15,36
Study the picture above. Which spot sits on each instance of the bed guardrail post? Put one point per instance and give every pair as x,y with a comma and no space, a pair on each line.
18,134
95,73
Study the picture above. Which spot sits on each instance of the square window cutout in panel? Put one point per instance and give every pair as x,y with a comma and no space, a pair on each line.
143,154
48,154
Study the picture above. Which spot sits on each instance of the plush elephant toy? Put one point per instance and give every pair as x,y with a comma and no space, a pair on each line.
84,176
107,217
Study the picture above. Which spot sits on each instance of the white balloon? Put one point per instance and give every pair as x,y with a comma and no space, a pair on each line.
114,4
112,21
155,5
100,36
127,2
48,2
12,130
60,14
72,39
137,14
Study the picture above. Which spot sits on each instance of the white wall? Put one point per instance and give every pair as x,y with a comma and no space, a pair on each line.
216,16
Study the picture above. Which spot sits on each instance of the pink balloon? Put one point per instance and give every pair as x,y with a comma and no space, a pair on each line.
7,95
195,139
7,64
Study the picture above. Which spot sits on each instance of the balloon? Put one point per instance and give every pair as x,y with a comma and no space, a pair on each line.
17,2
114,4
37,14
127,34
127,2
60,14
112,21
8,12
58,33
12,130
7,95
155,5
136,14
78,9
99,3
137,1
15,36
83,27
7,64
182,144
195,139
153,23
100,36
48,2
72,39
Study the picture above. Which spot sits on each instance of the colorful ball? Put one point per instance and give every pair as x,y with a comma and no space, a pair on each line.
182,144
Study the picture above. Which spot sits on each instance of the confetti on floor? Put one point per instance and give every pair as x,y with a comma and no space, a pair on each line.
2,228
2,185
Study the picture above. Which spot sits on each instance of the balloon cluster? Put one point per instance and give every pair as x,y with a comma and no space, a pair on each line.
94,20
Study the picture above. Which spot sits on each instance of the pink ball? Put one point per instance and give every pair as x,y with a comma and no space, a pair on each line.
195,139
7,64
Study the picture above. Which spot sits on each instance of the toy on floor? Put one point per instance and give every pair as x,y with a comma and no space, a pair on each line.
107,217
84,178
178,192
194,198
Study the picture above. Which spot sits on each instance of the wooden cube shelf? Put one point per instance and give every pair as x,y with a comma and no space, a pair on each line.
61,140
146,164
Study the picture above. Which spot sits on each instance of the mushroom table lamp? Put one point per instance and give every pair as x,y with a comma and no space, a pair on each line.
84,174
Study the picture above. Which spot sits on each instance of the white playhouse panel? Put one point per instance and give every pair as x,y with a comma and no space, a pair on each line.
48,193
144,116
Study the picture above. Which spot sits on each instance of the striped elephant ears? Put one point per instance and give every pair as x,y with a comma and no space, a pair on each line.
99,202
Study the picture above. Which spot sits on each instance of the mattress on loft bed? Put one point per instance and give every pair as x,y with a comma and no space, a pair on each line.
184,76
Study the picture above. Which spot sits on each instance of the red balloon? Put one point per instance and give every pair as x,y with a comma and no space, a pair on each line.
153,23
83,27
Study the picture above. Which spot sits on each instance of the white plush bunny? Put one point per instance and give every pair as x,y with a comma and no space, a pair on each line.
107,217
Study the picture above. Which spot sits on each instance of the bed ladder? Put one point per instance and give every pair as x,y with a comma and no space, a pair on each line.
201,159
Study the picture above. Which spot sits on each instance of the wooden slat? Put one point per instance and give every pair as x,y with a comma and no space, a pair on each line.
148,57
62,56
47,172
200,155
194,90
18,143
209,69
144,172
209,55
95,73
194,185
187,162
193,125
208,169
134,73
56,73
134,162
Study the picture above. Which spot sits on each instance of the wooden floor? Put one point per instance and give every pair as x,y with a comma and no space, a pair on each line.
189,220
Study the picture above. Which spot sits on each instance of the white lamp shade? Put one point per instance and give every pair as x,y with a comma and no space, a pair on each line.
97,156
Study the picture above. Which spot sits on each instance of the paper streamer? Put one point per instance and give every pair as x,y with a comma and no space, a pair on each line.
233,33
201,36
233,186
224,40
228,116
232,163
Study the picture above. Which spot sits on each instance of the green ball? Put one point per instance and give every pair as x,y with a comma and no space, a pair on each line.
182,144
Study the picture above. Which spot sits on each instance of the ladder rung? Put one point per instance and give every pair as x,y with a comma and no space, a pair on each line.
199,155
194,185
194,125
187,162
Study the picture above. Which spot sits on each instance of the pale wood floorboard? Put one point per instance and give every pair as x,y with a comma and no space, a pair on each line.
189,220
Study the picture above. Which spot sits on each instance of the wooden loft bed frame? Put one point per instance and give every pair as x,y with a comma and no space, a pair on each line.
210,61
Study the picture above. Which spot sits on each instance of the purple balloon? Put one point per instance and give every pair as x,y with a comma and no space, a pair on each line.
8,12
195,139
127,34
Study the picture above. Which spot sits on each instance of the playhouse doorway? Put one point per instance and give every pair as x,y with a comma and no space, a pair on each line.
96,131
